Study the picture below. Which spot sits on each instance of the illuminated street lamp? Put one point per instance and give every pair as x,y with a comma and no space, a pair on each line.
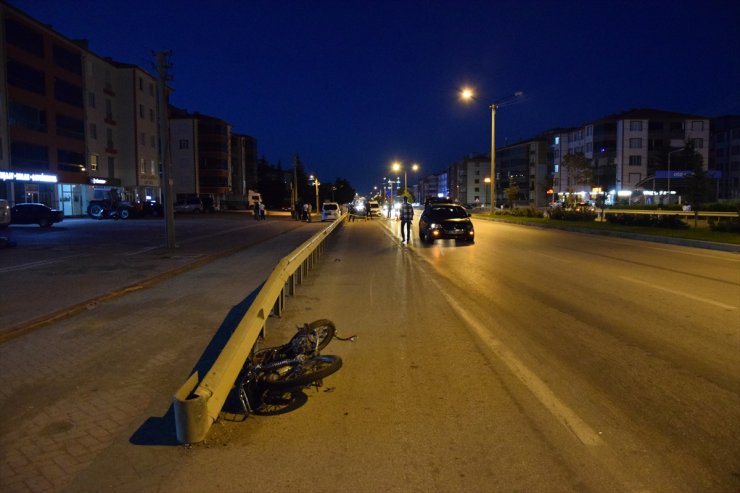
487,179
397,167
467,94
316,184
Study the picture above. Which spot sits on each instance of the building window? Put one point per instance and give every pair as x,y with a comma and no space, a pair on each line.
68,60
698,143
151,115
25,77
697,125
635,160
108,109
152,141
68,93
636,125
111,166
142,163
22,116
141,111
635,178
636,143
91,99
141,84
153,167
26,155
109,138
142,140
68,126
23,37
184,144
93,131
94,162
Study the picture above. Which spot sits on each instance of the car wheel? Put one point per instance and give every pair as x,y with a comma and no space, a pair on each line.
44,223
95,211
124,213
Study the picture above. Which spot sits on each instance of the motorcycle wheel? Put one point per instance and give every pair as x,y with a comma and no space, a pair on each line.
301,375
305,340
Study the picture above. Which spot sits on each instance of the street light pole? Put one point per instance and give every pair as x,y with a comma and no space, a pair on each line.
468,94
669,172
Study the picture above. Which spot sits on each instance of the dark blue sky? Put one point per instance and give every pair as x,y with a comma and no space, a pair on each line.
353,85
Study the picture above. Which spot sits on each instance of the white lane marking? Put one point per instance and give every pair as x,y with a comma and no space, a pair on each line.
29,265
539,388
679,293
677,250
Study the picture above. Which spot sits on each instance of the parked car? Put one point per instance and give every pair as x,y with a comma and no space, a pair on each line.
445,221
4,213
35,214
192,206
330,211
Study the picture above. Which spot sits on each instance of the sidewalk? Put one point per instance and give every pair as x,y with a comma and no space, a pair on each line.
92,392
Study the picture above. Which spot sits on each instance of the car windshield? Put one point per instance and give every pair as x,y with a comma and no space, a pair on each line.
330,207
447,212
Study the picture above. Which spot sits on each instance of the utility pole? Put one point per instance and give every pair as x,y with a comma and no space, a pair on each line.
164,145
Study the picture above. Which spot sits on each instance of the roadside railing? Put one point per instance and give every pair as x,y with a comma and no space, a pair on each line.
198,403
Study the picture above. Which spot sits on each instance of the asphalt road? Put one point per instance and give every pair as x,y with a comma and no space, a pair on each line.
534,360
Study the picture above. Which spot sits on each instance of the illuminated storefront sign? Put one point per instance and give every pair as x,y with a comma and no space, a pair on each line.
21,176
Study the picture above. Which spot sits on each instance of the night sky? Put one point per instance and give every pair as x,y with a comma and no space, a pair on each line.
353,85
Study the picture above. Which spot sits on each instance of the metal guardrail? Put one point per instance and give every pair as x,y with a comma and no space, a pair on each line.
671,213
198,403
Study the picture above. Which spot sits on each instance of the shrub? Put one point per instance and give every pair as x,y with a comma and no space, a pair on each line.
725,224
567,215
648,221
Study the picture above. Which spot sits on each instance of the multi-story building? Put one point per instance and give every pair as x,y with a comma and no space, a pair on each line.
122,130
724,155
43,145
631,153
523,166
467,179
76,122
201,156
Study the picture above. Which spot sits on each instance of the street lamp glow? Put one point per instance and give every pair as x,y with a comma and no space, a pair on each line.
467,94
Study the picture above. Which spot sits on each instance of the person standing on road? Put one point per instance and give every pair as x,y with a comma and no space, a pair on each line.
262,210
407,215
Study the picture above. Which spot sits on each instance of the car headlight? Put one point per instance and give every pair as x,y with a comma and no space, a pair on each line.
435,226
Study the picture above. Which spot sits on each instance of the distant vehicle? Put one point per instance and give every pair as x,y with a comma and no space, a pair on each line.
374,207
253,198
584,207
330,211
4,213
445,221
191,206
35,214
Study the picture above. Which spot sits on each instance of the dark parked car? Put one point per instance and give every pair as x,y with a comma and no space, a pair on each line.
35,214
191,206
445,221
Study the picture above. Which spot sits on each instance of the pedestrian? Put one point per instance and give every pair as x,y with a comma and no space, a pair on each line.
407,215
309,212
256,211
305,211
262,210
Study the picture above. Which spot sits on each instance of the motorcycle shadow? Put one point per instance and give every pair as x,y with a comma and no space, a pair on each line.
273,404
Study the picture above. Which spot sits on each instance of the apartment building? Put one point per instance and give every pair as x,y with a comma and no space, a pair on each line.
243,169
77,124
724,155
524,166
43,143
466,179
201,156
631,153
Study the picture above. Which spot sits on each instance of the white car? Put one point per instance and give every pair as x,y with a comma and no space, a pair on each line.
330,211
375,208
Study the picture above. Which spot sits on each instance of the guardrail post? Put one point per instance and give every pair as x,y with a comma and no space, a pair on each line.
191,413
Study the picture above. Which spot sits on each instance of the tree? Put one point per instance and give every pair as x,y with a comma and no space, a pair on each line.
697,184
579,171
512,191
